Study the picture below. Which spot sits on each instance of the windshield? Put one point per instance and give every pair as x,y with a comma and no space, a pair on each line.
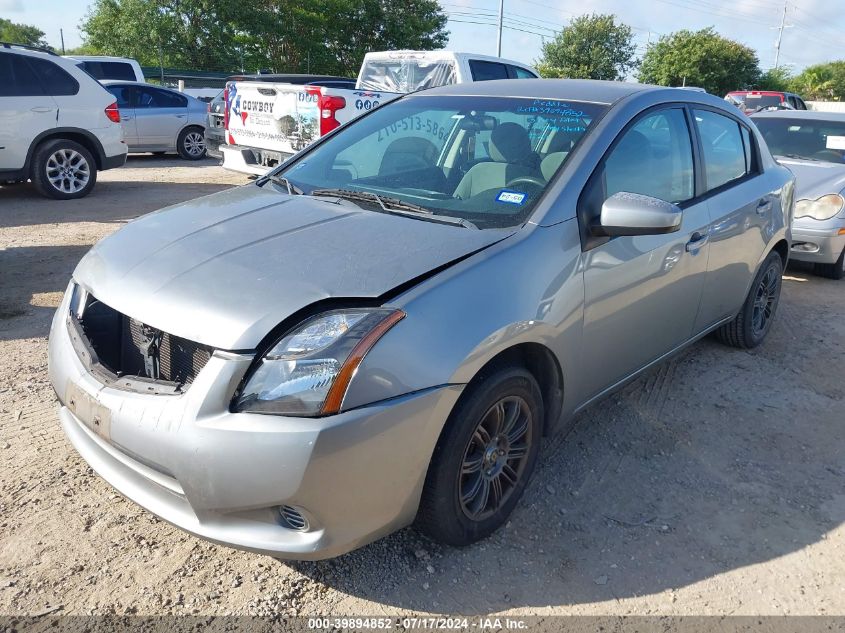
797,138
486,160
406,75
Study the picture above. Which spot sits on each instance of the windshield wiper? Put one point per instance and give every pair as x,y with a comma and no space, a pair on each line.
280,180
394,206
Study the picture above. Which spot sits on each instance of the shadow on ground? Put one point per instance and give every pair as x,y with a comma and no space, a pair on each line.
716,460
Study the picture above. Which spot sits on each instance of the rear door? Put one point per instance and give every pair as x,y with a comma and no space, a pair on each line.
742,206
125,96
159,116
25,109
642,293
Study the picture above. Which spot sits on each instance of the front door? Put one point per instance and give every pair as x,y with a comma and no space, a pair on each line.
642,293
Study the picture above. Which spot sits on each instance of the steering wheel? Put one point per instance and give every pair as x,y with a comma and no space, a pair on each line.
527,180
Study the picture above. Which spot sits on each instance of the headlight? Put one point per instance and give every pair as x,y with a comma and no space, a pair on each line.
822,208
308,371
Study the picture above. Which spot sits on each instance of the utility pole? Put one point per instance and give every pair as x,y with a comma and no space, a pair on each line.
501,17
62,35
783,25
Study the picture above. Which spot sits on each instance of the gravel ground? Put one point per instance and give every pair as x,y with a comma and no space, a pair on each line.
713,485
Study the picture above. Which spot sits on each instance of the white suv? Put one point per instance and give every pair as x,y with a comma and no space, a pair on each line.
58,125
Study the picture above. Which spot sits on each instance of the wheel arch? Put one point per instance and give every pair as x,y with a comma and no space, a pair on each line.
77,135
542,364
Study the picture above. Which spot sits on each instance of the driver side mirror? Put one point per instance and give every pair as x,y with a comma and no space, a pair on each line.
626,213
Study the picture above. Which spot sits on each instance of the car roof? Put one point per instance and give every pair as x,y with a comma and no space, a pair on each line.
589,90
810,115
99,58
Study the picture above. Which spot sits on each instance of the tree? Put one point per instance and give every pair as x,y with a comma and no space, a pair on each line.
700,58
318,36
822,82
591,47
778,79
21,34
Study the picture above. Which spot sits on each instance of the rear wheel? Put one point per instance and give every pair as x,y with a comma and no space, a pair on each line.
750,327
191,143
483,459
63,169
835,270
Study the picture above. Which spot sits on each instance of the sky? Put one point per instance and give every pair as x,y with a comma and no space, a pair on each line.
814,34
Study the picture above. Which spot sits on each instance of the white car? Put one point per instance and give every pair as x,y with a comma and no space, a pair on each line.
102,67
58,125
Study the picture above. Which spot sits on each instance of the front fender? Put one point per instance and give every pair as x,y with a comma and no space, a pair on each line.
526,289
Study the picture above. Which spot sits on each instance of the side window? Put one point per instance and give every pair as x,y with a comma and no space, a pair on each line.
123,94
749,149
725,157
16,77
485,71
791,101
154,98
653,158
521,73
56,80
801,105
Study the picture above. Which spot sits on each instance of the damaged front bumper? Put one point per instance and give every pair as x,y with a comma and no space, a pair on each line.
233,478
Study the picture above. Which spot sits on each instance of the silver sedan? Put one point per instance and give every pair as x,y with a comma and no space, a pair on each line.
812,146
160,120
382,331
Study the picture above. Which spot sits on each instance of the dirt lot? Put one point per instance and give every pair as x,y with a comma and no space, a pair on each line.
713,485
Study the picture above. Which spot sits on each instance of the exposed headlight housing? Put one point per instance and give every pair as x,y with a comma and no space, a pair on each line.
306,373
822,208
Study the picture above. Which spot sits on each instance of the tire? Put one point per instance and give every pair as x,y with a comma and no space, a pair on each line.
191,143
63,170
750,327
469,438
833,271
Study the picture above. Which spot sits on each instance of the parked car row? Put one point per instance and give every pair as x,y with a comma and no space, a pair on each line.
59,125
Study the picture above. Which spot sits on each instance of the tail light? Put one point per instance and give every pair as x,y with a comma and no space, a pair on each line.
112,113
328,106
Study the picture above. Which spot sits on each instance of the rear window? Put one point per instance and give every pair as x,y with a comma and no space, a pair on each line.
110,70
487,71
753,102
814,139
406,75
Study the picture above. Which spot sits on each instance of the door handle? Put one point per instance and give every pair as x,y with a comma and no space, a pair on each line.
764,206
698,240
181,116
126,118
42,109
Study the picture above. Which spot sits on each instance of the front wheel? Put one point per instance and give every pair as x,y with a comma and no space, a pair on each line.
835,270
752,324
191,143
484,458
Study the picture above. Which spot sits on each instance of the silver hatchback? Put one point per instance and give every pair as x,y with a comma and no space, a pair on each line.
382,331
160,120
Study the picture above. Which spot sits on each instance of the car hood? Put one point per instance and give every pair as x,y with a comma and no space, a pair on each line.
225,269
814,179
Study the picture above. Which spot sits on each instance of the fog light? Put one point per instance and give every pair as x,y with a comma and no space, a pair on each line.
805,247
292,518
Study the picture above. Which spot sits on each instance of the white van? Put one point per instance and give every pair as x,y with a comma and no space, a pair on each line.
102,67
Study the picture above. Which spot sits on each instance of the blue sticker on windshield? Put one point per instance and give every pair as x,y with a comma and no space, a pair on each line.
511,197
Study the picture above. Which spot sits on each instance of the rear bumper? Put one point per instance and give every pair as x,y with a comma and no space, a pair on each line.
113,162
214,140
223,476
817,245
249,160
